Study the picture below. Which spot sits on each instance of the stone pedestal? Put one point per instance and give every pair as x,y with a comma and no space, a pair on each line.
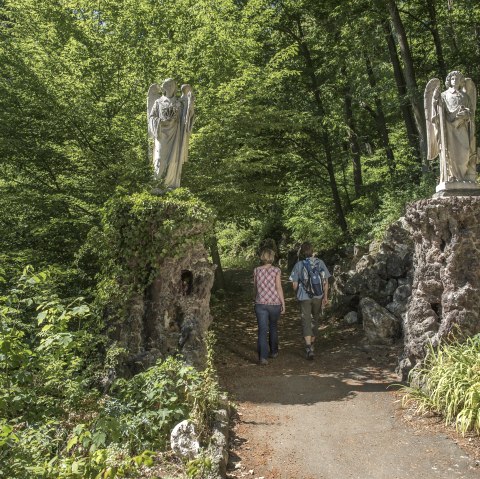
457,188
445,296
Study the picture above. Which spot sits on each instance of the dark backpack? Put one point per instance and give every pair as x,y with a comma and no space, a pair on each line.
312,280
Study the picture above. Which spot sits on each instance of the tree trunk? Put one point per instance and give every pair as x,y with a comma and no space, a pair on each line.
353,142
219,277
326,143
380,119
416,98
476,76
412,133
442,69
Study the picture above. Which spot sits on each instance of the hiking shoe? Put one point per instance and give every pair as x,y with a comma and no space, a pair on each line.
262,362
309,353
274,355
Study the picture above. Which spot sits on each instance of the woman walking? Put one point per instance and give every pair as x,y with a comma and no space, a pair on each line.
269,304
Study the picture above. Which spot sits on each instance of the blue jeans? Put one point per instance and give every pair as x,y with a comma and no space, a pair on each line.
267,319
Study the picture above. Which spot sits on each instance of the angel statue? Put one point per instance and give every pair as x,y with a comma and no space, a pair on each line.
450,119
170,122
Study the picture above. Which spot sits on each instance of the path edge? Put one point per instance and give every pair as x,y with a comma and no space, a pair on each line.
218,448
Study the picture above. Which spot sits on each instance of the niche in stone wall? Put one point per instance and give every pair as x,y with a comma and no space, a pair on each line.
186,282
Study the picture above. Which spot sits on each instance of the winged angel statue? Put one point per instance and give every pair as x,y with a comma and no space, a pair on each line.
450,119
170,122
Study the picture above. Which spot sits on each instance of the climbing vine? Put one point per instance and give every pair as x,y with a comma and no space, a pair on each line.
137,232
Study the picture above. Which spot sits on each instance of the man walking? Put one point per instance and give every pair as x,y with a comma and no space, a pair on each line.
310,282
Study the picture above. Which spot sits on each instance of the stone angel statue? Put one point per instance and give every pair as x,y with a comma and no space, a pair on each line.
170,121
450,117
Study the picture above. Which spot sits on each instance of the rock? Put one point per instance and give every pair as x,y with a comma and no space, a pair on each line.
354,284
397,309
218,447
374,247
364,262
395,266
375,274
446,278
380,326
184,440
351,318
359,251
391,286
402,293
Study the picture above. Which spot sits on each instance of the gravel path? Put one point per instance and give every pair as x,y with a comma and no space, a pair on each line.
332,418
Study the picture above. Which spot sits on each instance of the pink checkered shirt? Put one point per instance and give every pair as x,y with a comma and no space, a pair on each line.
265,281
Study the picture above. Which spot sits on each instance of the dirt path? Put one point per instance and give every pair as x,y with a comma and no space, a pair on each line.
331,418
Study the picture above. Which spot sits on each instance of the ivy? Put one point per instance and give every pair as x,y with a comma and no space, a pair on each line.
136,234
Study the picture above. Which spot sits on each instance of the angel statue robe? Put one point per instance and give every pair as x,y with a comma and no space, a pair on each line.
170,125
452,134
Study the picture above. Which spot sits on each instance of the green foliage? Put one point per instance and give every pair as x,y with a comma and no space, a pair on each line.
205,396
54,420
44,343
69,91
448,383
199,468
271,128
373,214
239,244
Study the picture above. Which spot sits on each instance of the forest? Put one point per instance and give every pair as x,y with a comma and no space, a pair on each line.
310,124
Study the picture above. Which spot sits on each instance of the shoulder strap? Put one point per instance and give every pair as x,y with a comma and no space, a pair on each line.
304,278
307,265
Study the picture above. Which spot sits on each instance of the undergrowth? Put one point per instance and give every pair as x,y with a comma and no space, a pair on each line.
448,383
57,418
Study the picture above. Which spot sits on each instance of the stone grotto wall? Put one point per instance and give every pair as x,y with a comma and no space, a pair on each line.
172,315
446,275
421,283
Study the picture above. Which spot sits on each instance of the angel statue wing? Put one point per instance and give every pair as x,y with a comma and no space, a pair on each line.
431,98
471,91
154,93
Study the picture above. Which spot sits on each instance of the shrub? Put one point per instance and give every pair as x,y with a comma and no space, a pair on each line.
54,419
448,383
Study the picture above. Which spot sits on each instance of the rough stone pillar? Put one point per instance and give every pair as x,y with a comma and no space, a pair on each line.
173,313
446,282
156,277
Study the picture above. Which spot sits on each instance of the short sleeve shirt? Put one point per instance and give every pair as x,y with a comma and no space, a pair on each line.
265,282
298,276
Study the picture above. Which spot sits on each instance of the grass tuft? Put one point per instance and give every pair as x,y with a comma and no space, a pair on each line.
448,383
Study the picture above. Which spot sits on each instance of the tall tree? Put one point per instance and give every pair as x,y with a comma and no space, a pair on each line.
410,78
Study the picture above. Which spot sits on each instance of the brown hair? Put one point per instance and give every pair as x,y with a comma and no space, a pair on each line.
306,250
267,256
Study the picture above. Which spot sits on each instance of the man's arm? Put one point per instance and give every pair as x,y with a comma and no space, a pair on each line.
325,292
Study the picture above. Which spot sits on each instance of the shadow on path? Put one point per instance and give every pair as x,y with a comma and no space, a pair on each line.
342,367
330,418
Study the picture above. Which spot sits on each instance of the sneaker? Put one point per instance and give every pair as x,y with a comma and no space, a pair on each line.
309,353
274,355
262,362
